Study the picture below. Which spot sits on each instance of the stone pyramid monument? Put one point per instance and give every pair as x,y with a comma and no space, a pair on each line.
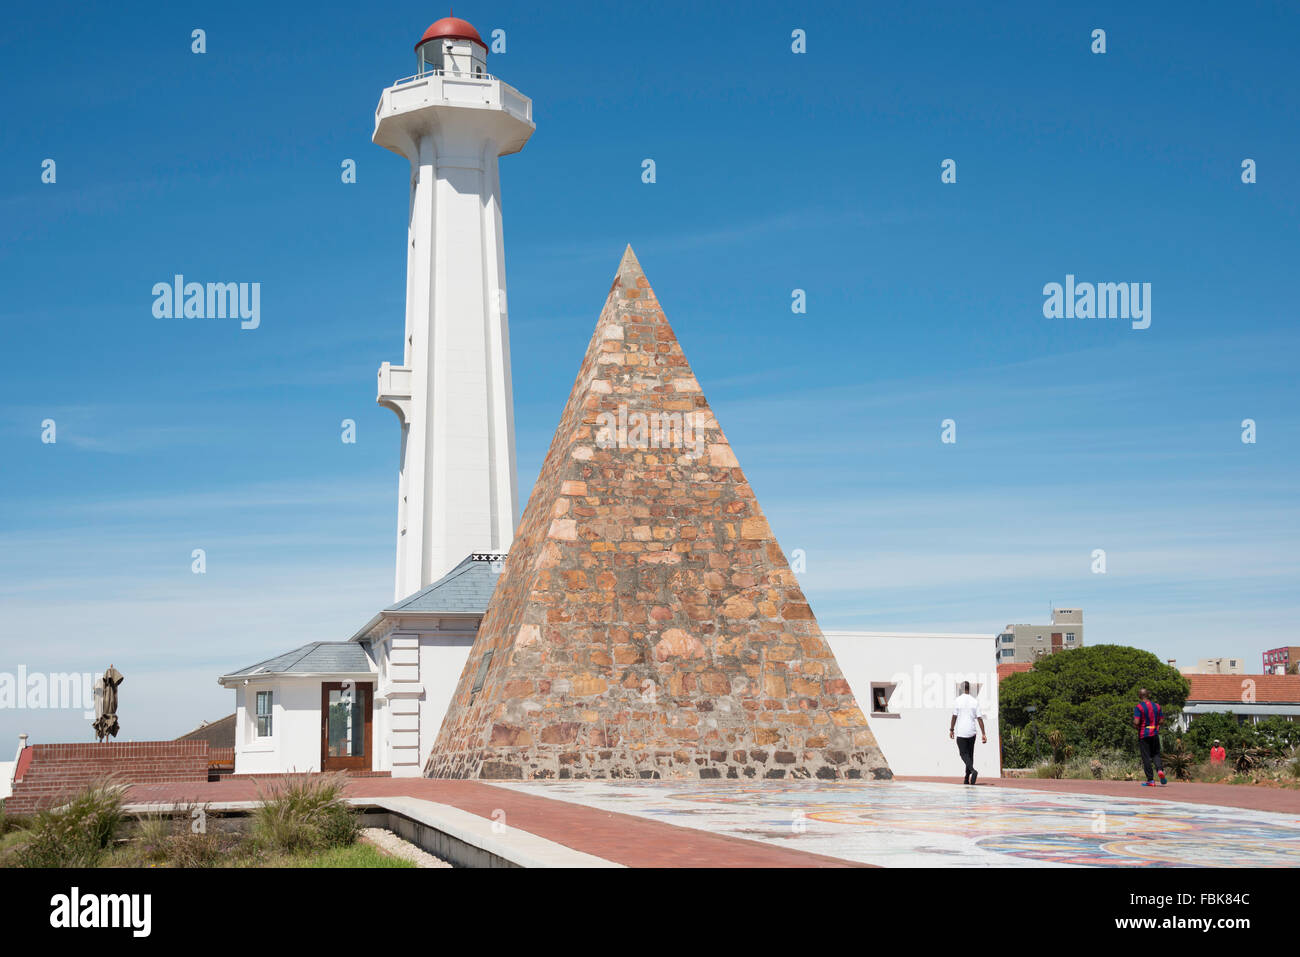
646,623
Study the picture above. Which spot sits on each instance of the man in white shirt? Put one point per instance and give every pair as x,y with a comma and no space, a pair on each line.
962,727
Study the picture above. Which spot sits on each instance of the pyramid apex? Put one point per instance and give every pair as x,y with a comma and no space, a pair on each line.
628,265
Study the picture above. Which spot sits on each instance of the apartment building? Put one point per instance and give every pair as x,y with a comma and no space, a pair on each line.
1024,644
1278,661
1217,666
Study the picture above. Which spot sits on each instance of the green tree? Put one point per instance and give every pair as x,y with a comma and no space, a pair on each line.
1088,695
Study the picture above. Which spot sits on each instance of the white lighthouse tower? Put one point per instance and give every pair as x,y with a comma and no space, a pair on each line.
456,488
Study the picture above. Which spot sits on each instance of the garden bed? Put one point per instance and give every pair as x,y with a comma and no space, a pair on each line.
296,823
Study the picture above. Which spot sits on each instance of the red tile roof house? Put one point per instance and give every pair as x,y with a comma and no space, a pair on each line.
1251,697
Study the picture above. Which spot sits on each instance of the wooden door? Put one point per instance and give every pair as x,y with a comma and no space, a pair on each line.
346,734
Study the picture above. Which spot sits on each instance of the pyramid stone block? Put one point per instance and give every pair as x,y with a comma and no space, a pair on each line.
646,623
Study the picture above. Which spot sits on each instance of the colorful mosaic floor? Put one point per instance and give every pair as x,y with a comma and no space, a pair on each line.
907,824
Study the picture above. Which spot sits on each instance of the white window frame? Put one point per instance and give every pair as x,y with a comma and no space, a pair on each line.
889,687
258,715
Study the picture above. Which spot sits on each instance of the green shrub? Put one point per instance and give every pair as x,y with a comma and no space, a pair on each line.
304,813
1049,770
1277,734
1249,759
76,834
1223,726
1179,760
1062,751
1017,748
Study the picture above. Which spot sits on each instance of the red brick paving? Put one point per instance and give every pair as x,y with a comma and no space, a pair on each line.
622,838
1254,798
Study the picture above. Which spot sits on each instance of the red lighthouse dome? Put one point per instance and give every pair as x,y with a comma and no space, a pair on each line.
451,28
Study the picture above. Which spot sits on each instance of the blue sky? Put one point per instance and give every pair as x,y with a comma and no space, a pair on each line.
775,171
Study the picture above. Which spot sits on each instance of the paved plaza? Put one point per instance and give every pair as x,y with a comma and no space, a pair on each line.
910,824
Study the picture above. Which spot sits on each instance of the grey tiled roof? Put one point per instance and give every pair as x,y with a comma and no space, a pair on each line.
465,590
320,657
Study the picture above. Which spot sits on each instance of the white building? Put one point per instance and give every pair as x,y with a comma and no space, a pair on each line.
906,685
376,702
373,703
452,392
7,769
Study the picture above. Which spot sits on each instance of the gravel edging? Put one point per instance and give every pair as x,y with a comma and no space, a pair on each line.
390,843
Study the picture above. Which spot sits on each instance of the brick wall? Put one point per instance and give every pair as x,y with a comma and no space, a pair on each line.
55,771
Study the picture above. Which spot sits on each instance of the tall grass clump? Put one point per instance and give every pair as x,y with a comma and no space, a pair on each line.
76,834
1211,773
304,813
167,837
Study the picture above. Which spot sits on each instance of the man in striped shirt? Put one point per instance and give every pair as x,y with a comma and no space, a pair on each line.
1146,718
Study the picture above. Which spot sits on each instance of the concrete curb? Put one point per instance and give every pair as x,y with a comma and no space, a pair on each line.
512,845
465,839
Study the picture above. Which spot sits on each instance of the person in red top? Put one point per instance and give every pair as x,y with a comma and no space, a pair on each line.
1146,718
1217,754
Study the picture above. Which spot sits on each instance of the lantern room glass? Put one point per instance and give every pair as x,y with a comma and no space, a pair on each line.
429,57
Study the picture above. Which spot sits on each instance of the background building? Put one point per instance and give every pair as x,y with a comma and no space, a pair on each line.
1250,697
1217,666
1282,658
1027,643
